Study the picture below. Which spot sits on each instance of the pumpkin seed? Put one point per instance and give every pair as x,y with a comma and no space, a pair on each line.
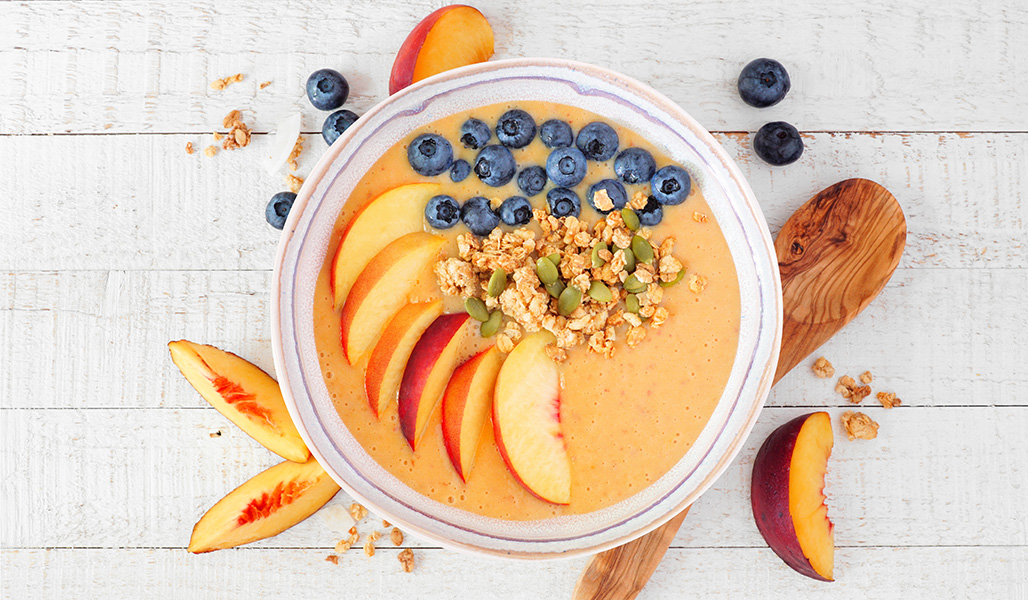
632,303
492,324
642,249
629,260
476,308
546,271
555,259
497,282
599,292
630,218
569,300
633,285
555,288
597,261
667,284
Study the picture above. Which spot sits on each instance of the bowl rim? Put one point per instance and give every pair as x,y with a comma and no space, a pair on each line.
763,386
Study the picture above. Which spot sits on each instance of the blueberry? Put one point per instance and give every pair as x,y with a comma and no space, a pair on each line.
474,134
778,143
478,216
566,166
598,141
516,210
532,180
556,134
495,165
515,129
671,185
336,124
763,82
327,89
635,165
442,212
429,154
651,214
459,170
563,202
278,209
615,191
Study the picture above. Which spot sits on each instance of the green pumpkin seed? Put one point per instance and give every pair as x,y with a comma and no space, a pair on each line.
555,259
633,285
497,282
642,249
476,308
492,324
629,260
599,292
597,261
632,303
546,271
555,288
667,284
630,218
569,300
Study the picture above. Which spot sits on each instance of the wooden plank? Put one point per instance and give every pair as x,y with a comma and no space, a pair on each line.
95,339
145,66
141,478
921,573
140,202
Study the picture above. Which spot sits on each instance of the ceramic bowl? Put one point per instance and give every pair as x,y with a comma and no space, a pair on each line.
620,100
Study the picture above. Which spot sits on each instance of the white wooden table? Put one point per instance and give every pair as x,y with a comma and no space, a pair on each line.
114,241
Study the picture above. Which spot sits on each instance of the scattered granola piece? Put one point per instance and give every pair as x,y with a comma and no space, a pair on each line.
358,512
697,283
232,118
396,536
859,393
189,147
504,344
406,558
635,336
265,84
294,183
602,200
369,548
859,425
888,399
297,149
217,136
374,536
343,546
659,316
669,267
866,377
353,530
556,354
238,134
332,558
846,386
639,200
699,217
822,368
386,523
210,151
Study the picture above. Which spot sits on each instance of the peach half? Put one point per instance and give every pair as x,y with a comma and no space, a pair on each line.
388,359
245,394
451,37
382,289
428,369
466,405
391,214
264,506
526,419
788,494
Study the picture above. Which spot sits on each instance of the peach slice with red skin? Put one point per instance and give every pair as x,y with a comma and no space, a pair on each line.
388,359
788,494
382,289
426,374
451,37
388,216
526,420
466,406
244,393
264,506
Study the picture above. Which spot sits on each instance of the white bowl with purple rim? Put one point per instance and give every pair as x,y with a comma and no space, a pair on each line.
625,102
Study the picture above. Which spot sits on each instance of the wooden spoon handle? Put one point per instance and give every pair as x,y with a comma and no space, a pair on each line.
835,254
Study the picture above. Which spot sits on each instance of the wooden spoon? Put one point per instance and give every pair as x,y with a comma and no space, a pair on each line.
835,254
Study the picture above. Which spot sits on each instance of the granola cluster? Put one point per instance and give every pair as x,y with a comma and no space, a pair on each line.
859,425
358,513
597,260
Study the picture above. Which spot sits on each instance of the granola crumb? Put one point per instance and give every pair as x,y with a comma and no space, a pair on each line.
556,354
294,183
358,512
374,536
699,217
297,150
697,283
823,369
217,136
343,546
866,377
369,548
396,536
265,84
845,386
406,558
189,148
504,343
888,399
859,425
210,151
602,200
386,523
635,336
238,135
332,558
639,200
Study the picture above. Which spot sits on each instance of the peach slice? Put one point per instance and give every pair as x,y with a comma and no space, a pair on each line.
248,396
385,367
451,37
382,289
788,494
526,419
429,368
466,405
389,215
264,506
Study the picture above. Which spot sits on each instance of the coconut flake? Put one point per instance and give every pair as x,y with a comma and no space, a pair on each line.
286,134
338,518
